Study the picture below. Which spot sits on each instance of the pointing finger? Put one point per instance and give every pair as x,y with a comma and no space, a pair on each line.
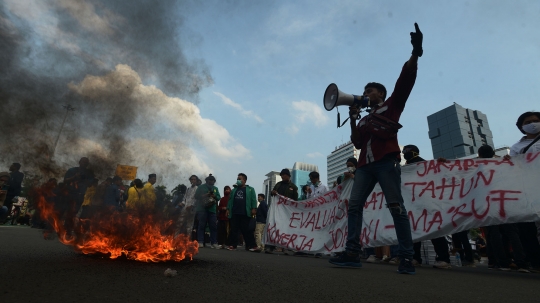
417,28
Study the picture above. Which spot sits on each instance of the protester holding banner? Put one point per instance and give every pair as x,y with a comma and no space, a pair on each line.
528,124
411,153
496,233
241,208
286,188
379,163
316,188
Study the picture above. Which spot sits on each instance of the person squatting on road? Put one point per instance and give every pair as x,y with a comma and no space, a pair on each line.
379,162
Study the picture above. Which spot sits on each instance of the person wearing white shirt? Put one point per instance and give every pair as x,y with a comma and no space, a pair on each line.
187,209
189,197
316,188
529,124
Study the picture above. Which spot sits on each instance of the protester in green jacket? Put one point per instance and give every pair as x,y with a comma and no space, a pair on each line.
242,207
207,214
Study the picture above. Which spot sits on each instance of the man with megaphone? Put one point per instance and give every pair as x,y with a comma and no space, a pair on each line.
379,161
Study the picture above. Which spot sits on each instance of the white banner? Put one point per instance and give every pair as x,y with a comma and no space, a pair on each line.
440,198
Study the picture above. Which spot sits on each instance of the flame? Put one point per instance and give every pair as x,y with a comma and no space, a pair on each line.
137,235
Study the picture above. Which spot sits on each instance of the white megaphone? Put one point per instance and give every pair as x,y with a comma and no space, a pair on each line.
334,97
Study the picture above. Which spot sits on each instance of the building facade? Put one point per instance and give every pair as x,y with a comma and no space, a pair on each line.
300,174
336,161
272,178
457,132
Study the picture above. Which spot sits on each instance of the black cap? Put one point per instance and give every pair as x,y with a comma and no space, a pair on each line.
285,171
150,176
210,177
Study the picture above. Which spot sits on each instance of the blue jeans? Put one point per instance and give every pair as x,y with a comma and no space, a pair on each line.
387,172
203,217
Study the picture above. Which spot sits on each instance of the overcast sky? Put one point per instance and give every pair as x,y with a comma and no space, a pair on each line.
266,65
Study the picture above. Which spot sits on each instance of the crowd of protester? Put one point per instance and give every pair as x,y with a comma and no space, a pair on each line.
238,218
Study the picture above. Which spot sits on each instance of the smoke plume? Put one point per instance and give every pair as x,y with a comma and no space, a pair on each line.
124,68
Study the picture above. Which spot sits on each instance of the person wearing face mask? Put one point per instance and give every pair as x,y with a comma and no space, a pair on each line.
411,153
223,219
206,211
352,163
528,124
241,208
316,188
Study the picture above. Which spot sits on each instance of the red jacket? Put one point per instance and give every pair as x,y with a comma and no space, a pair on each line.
373,148
222,213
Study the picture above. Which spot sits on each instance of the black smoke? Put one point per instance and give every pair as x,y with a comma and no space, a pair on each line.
90,38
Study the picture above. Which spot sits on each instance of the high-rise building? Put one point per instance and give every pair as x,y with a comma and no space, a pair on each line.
272,178
336,161
300,174
457,132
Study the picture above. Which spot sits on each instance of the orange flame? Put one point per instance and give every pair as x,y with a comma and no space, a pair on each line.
137,235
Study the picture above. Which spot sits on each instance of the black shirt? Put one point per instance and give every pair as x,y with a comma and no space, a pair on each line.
239,202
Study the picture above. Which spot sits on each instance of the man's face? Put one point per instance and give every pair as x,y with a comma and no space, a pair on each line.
193,180
374,95
211,182
350,164
314,180
241,179
227,191
285,177
12,167
152,180
260,199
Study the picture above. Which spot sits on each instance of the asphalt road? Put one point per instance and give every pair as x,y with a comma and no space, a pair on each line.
38,270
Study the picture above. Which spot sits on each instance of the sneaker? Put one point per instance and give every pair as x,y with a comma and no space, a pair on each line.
346,260
467,264
523,270
395,260
231,248
406,267
371,259
503,268
215,246
319,255
442,265
416,263
255,249
268,251
201,245
286,252
491,266
386,258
